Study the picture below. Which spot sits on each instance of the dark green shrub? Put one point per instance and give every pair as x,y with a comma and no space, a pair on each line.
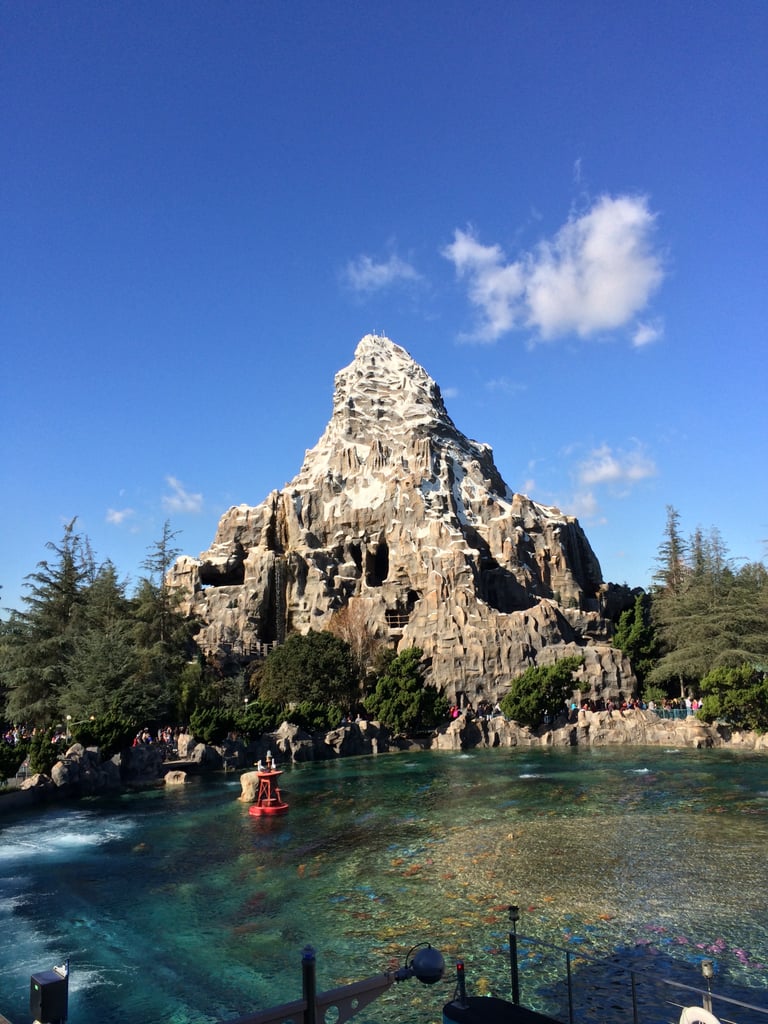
110,733
312,716
211,725
43,752
401,700
259,717
11,757
540,691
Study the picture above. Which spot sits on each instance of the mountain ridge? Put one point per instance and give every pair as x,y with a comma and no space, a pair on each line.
396,510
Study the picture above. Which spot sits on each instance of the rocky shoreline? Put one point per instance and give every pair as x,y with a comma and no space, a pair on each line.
81,772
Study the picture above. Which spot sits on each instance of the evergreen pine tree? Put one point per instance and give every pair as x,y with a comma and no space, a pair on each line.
38,641
102,661
636,637
161,636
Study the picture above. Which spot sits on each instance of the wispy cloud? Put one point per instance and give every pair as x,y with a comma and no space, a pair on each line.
596,274
180,499
584,505
118,516
602,476
603,465
647,333
505,386
366,275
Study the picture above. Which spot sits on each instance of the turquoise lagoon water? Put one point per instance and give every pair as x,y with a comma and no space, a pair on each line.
176,905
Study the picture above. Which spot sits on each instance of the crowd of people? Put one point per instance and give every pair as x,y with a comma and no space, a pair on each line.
16,733
671,707
690,705
484,710
167,736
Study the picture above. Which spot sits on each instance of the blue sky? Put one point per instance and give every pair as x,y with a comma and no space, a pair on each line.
559,209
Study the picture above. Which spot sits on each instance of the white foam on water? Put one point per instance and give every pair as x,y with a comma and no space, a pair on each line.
82,978
60,839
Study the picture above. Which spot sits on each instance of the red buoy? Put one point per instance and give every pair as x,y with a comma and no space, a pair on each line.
268,799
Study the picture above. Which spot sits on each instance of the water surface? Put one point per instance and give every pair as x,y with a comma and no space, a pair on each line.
176,905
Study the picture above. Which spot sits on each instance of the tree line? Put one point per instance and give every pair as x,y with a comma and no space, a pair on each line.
86,659
702,629
85,653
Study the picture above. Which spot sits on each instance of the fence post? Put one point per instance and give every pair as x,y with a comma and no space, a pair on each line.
514,917
309,984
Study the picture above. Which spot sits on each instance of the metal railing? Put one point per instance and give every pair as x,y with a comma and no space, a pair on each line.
636,977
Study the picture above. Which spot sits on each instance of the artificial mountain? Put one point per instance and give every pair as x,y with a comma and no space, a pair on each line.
400,516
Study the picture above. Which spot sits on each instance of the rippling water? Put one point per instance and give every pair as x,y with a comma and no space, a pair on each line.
177,906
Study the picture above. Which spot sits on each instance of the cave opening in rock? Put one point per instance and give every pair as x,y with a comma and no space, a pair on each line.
377,565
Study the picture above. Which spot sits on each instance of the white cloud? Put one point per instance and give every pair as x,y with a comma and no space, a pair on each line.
647,333
117,516
497,289
449,392
505,385
584,505
366,275
181,500
604,466
596,274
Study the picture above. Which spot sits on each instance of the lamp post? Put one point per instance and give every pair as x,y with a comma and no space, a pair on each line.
708,970
70,724
514,917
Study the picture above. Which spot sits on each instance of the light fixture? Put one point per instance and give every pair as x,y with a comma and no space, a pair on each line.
427,966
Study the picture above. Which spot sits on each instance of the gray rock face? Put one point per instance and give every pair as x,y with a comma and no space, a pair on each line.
587,728
83,771
398,514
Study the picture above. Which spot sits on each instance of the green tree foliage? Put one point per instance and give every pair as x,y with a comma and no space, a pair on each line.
12,756
110,732
671,566
102,661
713,615
259,717
37,643
313,716
158,562
161,636
540,691
401,700
81,647
211,725
317,667
44,752
738,696
636,637
657,694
